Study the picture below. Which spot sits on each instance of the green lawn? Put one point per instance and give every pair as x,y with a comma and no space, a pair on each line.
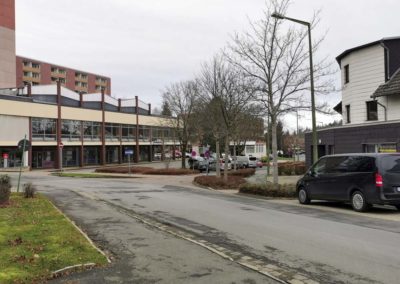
36,239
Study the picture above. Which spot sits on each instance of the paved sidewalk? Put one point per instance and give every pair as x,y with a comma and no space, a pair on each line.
142,254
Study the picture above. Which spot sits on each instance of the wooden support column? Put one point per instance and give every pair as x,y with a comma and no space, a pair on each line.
120,144
80,99
29,87
137,147
59,148
81,160
103,129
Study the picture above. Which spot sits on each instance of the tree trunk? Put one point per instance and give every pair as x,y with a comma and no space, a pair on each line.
274,152
268,147
234,155
226,158
184,149
217,158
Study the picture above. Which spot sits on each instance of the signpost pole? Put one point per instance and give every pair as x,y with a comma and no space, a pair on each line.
22,162
129,164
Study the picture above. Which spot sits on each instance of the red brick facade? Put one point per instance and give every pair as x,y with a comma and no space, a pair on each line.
43,74
7,14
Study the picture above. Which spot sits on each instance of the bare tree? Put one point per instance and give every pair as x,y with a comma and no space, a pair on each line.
227,90
182,98
250,126
277,60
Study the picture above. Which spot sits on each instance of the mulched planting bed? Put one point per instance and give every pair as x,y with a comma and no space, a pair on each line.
218,183
171,172
284,190
147,171
243,172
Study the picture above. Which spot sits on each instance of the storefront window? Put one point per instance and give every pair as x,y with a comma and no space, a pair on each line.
91,155
70,157
112,155
144,133
71,129
157,135
112,131
380,148
43,158
44,129
91,131
128,132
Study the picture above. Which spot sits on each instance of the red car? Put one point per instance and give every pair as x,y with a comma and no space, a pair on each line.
178,154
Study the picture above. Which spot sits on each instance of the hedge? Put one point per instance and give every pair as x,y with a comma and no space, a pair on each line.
292,168
269,190
243,172
214,182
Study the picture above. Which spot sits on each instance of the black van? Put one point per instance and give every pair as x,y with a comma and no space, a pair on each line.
362,179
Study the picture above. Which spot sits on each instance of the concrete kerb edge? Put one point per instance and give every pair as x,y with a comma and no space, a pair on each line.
86,237
165,229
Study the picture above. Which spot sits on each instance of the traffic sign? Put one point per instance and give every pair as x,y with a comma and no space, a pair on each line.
193,153
22,143
128,152
61,145
5,155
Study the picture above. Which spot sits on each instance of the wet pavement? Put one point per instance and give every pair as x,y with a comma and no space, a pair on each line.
322,243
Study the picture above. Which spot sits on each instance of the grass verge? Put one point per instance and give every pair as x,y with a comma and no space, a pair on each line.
36,239
86,175
147,171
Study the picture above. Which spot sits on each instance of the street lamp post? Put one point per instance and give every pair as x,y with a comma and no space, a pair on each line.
314,121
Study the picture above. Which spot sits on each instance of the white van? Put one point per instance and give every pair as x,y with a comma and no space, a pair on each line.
241,161
253,162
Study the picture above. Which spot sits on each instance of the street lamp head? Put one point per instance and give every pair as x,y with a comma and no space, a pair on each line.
277,15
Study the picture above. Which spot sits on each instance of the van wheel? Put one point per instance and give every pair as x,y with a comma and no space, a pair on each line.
358,202
303,196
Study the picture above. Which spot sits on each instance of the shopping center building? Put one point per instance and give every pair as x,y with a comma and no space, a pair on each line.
70,117
79,130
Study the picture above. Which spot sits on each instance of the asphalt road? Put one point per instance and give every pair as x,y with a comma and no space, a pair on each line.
323,245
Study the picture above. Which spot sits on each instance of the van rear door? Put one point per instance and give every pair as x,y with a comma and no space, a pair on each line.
389,168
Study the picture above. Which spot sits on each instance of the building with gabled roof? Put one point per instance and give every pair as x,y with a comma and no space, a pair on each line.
370,105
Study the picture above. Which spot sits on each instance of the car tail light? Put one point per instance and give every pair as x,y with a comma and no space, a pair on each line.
378,180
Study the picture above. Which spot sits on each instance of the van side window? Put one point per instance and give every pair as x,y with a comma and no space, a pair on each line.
336,164
356,164
319,167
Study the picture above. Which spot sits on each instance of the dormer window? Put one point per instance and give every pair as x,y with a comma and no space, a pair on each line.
346,74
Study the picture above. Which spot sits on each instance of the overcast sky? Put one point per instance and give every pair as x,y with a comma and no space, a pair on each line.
145,45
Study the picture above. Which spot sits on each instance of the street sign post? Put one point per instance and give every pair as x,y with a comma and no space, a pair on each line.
129,152
23,145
